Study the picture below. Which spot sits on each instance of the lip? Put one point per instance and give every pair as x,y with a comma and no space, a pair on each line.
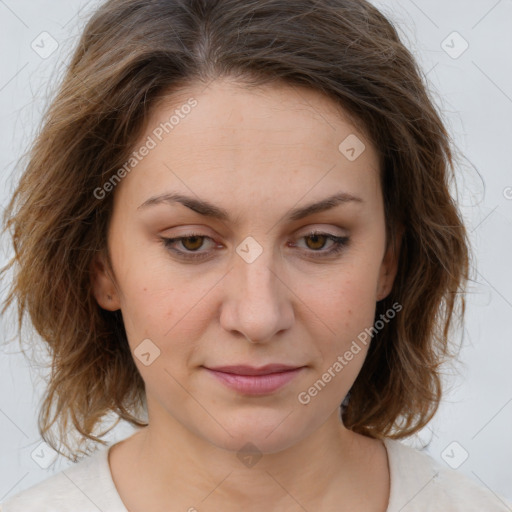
251,370
255,381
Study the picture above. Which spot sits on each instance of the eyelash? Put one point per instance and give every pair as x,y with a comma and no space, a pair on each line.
340,242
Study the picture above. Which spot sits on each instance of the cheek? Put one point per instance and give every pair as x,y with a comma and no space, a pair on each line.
147,285
346,305
348,302
165,308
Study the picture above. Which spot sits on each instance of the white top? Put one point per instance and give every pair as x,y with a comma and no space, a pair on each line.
418,484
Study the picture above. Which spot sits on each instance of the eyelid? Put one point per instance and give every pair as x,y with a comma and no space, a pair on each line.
328,230
339,243
322,230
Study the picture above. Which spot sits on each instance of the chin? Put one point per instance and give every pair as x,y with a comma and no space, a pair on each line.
259,430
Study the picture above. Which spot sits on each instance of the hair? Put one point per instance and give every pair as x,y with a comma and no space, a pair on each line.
132,54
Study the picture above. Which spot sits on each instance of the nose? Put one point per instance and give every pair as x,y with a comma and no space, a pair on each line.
259,302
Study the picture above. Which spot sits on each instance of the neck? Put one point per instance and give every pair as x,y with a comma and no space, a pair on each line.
175,466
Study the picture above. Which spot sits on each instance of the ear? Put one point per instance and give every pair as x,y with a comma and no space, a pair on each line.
389,265
103,285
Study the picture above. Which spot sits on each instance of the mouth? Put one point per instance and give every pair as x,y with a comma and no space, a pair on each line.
249,380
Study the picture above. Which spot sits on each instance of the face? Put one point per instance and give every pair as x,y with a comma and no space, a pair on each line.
218,262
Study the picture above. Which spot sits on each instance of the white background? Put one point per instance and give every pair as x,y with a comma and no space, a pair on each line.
474,93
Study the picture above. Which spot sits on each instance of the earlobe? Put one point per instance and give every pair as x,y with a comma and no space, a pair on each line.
103,286
389,266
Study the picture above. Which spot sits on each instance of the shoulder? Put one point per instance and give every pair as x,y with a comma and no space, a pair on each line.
86,486
420,483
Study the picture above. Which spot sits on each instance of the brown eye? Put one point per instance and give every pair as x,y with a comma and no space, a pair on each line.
315,244
318,241
195,242
188,247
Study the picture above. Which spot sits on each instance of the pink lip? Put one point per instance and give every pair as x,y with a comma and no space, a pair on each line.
255,381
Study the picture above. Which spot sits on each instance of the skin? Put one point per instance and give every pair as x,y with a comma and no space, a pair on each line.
258,154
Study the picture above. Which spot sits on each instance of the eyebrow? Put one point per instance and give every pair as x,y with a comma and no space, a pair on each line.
208,209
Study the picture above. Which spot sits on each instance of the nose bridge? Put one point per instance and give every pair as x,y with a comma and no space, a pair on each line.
259,307
258,279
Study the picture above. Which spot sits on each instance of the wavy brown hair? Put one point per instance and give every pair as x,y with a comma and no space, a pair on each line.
133,53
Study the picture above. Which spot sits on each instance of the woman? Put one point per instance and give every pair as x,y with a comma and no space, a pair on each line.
236,221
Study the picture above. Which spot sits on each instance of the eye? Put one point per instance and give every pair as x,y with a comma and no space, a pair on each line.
193,242
317,240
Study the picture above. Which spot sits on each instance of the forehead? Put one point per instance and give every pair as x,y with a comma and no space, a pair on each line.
278,113
226,140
